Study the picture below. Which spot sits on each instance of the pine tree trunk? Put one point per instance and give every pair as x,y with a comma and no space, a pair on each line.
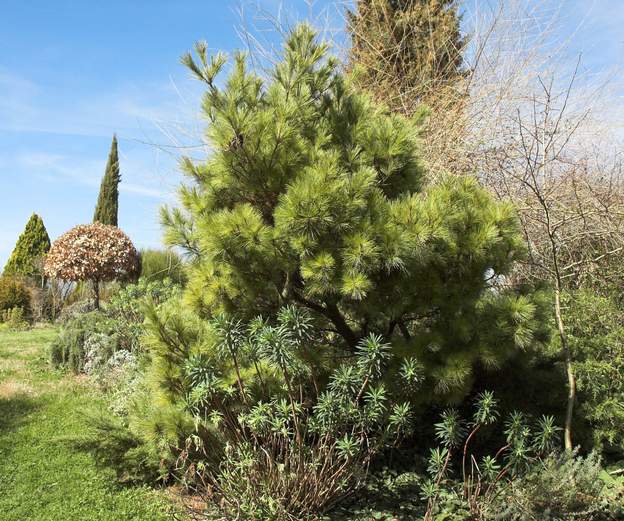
569,369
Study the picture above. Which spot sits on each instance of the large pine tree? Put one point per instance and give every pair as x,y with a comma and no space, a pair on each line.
32,244
107,209
408,52
313,196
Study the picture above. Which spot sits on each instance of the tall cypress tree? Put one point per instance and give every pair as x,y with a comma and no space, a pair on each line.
107,209
32,244
408,52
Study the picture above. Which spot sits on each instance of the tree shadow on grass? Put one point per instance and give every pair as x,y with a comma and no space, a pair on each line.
14,412
114,447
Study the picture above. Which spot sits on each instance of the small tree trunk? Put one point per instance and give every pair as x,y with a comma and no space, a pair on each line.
569,369
96,293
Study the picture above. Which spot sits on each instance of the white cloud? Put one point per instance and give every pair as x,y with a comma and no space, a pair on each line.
137,178
163,112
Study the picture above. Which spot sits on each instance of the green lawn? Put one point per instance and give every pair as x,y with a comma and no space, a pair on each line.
41,477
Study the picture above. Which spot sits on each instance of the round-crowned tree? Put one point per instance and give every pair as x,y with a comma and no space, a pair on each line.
92,252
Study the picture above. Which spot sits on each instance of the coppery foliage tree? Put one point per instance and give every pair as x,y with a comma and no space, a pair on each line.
92,252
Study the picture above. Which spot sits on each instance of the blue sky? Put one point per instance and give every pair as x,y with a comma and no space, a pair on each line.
74,72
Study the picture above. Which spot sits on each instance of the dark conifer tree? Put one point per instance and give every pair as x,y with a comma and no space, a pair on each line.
408,52
107,209
31,246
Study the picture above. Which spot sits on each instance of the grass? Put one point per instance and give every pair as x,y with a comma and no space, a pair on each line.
41,477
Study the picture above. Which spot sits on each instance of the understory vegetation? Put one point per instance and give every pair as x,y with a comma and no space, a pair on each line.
373,305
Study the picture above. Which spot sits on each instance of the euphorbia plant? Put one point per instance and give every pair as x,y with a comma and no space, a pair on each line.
275,434
481,481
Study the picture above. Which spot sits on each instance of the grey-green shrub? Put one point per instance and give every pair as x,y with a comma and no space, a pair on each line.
558,488
68,348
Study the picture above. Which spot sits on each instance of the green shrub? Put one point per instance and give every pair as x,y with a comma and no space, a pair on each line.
14,293
596,337
162,264
14,318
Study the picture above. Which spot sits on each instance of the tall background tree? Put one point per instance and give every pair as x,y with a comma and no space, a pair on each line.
29,250
409,52
107,208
